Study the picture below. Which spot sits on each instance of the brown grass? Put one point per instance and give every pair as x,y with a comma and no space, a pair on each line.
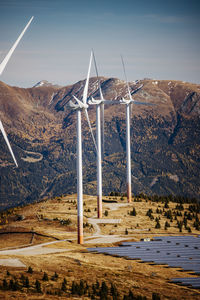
77,263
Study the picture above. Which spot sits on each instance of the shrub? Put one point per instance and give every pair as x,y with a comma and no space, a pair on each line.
106,213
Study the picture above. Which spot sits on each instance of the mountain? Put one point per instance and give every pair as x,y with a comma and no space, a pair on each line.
45,83
42,130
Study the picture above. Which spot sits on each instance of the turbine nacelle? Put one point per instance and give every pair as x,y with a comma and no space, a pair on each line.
80,105
93,101
125,101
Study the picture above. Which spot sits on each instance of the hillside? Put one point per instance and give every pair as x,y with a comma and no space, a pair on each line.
42,131
41,239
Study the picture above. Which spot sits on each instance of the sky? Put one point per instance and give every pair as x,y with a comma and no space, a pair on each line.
158,39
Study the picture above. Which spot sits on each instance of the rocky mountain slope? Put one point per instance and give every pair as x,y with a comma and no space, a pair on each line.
42,131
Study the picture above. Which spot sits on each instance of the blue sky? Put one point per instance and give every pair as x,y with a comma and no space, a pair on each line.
158,39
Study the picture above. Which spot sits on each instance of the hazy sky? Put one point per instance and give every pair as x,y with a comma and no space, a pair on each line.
157,38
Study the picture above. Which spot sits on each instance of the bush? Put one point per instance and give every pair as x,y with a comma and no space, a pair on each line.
106,213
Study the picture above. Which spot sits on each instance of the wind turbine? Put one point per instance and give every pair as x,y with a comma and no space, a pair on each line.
100,146
79,107
99,107
128,139
2,67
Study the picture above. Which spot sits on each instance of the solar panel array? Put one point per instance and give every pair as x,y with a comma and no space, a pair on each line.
173,251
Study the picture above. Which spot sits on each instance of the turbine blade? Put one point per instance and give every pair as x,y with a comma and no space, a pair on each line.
130,110
85,91
93,138
101,107
129,92
7,142
99,84
144,103
6,59
78,101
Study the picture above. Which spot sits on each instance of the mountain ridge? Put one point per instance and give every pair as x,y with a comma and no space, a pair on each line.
42,131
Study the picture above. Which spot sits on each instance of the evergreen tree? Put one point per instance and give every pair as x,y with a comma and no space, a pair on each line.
65,281
157,226
30,270
5,284
22,278
103,291
113,291
155,296
45,277
133,212
63,287
11,283
38,286
27,285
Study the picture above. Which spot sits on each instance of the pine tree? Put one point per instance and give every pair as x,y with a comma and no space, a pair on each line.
5,284
113,291
155,296
63,287
30,270
38,286
45,277
27,285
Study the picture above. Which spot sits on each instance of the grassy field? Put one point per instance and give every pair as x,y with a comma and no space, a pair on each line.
90,275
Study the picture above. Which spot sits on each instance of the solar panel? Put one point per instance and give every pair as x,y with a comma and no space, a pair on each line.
194,282
174,251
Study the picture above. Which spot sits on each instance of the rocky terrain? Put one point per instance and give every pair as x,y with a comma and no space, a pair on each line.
42,131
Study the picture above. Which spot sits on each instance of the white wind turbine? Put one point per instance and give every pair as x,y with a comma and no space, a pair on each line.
2,67
128,139
100,146
99,108
79,107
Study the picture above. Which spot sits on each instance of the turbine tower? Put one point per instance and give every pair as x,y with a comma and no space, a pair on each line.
81,105
128,138
2,67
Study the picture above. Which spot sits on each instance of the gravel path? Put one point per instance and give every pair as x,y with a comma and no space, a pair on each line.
97,237
12,262
34,250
